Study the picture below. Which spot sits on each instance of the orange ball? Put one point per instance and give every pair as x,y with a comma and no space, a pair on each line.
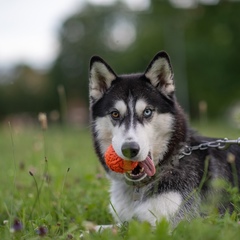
117,164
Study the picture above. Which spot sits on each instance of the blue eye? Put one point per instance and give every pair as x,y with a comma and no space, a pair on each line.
147,113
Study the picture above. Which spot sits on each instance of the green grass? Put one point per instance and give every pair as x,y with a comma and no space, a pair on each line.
52,183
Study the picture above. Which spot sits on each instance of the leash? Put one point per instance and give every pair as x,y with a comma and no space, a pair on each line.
220,144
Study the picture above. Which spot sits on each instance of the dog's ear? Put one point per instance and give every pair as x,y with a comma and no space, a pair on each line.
160,74
100,78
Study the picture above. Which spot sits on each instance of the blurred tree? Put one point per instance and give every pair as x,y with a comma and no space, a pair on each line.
82,35
27,90
202,42
213,56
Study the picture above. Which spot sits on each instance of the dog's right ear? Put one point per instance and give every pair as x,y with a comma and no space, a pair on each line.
100,78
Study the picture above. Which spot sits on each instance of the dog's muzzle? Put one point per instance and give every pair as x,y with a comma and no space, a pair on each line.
144,168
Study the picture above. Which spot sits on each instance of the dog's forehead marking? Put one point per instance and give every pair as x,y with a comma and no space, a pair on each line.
121,107
140,106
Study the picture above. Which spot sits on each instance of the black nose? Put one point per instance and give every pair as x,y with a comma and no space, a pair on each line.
130,149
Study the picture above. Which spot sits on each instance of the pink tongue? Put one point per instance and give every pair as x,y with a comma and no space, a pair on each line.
148,166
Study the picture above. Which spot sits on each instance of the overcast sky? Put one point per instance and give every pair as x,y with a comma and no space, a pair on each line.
28,28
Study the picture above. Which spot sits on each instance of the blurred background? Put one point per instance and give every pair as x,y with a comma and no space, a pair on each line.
45,47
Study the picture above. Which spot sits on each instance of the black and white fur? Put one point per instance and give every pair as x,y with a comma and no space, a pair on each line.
139,115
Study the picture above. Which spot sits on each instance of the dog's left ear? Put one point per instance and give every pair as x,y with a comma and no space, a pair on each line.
100,78
160,74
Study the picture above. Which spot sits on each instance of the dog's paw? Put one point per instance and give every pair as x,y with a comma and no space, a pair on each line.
91,227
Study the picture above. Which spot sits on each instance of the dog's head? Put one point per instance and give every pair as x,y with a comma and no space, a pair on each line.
134,113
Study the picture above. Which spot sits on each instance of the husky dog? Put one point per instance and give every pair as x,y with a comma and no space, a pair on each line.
139,115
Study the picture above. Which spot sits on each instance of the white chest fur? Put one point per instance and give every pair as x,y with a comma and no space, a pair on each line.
152,209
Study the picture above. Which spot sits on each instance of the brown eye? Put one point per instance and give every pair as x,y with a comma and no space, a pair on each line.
115,115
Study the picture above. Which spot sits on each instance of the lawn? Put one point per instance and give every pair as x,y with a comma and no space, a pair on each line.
52,186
